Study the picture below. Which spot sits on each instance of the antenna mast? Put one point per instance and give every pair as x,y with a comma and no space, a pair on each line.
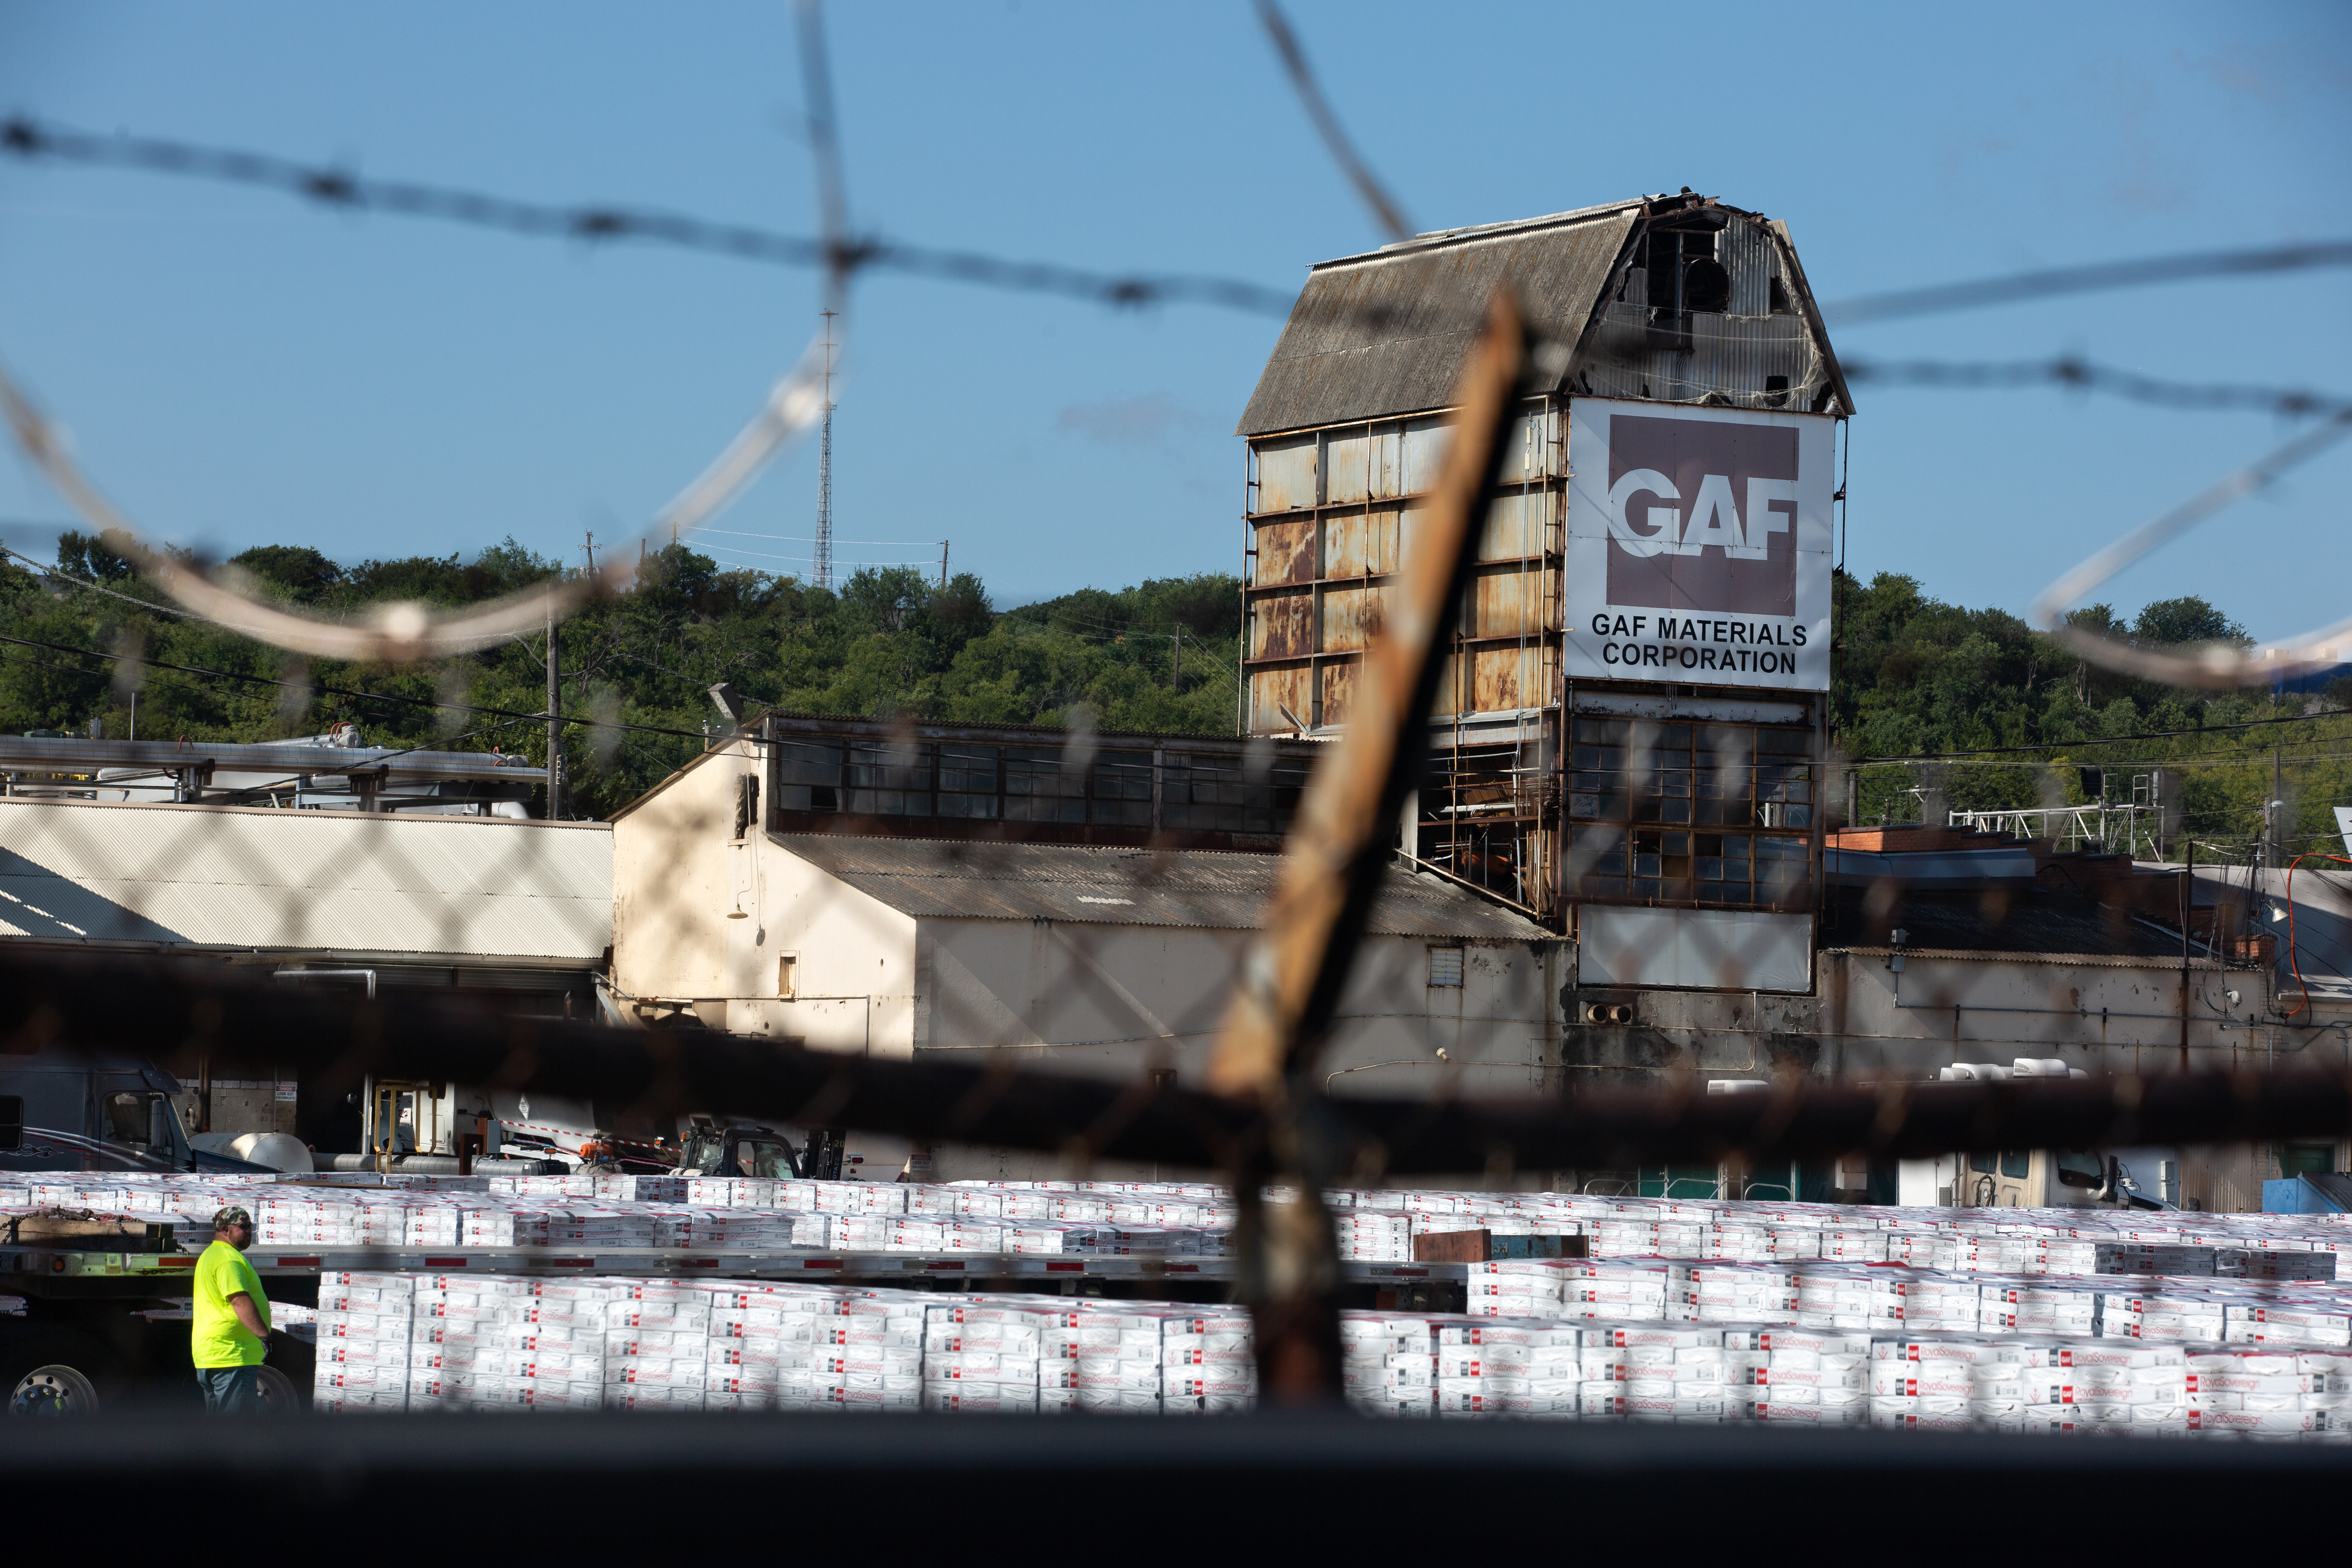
824,469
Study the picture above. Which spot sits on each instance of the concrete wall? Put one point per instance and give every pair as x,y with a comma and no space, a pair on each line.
2102,1016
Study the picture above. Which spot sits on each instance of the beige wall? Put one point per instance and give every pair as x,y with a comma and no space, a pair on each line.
678,875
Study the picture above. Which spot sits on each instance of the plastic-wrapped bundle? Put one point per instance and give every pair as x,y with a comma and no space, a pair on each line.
656,1350
1520,1288
1207,1363
981,1354
1525,1367
1103,1357
870,1357
1388,1364
362,1324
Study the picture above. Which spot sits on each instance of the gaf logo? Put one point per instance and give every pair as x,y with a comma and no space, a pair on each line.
1700,516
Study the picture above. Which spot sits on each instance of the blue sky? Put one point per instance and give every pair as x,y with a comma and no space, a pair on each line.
237,369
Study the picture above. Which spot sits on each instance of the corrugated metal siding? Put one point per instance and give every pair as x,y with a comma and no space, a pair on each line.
1385,334
206,877
944,880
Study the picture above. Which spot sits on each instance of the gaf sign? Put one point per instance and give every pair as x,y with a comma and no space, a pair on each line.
1699,546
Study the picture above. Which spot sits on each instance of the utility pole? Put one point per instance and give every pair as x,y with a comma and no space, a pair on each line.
554,717
591,547
824,469
943,563
1176,661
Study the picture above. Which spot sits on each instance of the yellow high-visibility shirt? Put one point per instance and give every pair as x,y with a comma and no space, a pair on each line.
217,1339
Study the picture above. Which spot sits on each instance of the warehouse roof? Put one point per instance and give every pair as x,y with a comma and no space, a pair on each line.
1213,889
1385,333
212,878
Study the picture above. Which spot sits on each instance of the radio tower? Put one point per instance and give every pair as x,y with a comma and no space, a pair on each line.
824,469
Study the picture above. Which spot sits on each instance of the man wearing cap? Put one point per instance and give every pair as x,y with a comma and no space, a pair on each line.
231,1333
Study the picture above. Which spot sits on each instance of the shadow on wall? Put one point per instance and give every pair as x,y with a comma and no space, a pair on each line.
35,902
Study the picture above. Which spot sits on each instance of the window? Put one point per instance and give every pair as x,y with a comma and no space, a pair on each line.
1445,965
2081,1168
2306,1159
1747,789
1982,1165
2015,1163
788,975
12,1121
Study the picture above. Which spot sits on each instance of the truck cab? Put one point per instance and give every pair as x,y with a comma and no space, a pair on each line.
72,1109
738,1150
2047,1179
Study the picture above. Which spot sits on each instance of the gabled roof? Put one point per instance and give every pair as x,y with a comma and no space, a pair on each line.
1214,890
1384,333
199,878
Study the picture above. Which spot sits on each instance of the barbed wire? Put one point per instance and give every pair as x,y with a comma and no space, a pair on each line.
599,223
1384,207
2097,277
2088,375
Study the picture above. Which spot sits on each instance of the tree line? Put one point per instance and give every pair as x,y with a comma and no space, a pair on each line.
1912,678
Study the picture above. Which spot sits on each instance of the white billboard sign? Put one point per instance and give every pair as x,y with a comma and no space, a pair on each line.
1699,544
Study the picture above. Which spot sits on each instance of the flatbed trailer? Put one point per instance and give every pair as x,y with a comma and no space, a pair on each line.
90,1332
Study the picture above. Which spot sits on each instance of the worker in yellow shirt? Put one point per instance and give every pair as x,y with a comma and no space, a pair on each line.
232,1318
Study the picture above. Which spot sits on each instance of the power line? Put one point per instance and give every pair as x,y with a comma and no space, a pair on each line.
2101,741
598,223
2051,281
2090,376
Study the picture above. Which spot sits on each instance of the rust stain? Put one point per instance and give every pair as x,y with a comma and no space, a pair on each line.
1502,679
1286,551
1285,476
1272,690
1359,544
1516,526
1338,691
1284,626
1512,603
1351,618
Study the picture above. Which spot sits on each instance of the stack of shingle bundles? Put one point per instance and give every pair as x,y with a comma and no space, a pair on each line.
1920,1383
2265,1392
1521,1287
1624,1290
641,1188
1373,1235
1674,1372
515,1227
1809,1376
1207,1363
1602,1370
538,1344
761,1339
434,1224
870,1357
1388,1364
982,1352
2144,1385
657,1345
2169,1312
363,1322
2291,1315
1848,1296
1935,1301
1103,1357
456,1316
1741,1294
1508,1367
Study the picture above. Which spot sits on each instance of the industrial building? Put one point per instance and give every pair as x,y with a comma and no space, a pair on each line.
1629,733
911,889
424,890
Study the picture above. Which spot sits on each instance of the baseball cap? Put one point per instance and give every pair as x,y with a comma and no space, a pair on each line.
233,1215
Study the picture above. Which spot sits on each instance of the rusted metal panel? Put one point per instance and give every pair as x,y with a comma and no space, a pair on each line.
1347,464
1359,544
1421,451
1284,686
1339,685
1286,475
1285,552
1283,626
1518,523
1502,679
1450,695
1514,601
1352,617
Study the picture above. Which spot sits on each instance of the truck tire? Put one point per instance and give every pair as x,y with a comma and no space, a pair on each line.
280,1393
49,1371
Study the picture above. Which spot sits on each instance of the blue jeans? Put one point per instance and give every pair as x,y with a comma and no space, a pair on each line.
230,1390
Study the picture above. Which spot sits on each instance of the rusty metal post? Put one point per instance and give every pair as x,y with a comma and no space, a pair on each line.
1331,868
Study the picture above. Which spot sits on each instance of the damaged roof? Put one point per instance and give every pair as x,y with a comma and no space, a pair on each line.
1213,890
1384,333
